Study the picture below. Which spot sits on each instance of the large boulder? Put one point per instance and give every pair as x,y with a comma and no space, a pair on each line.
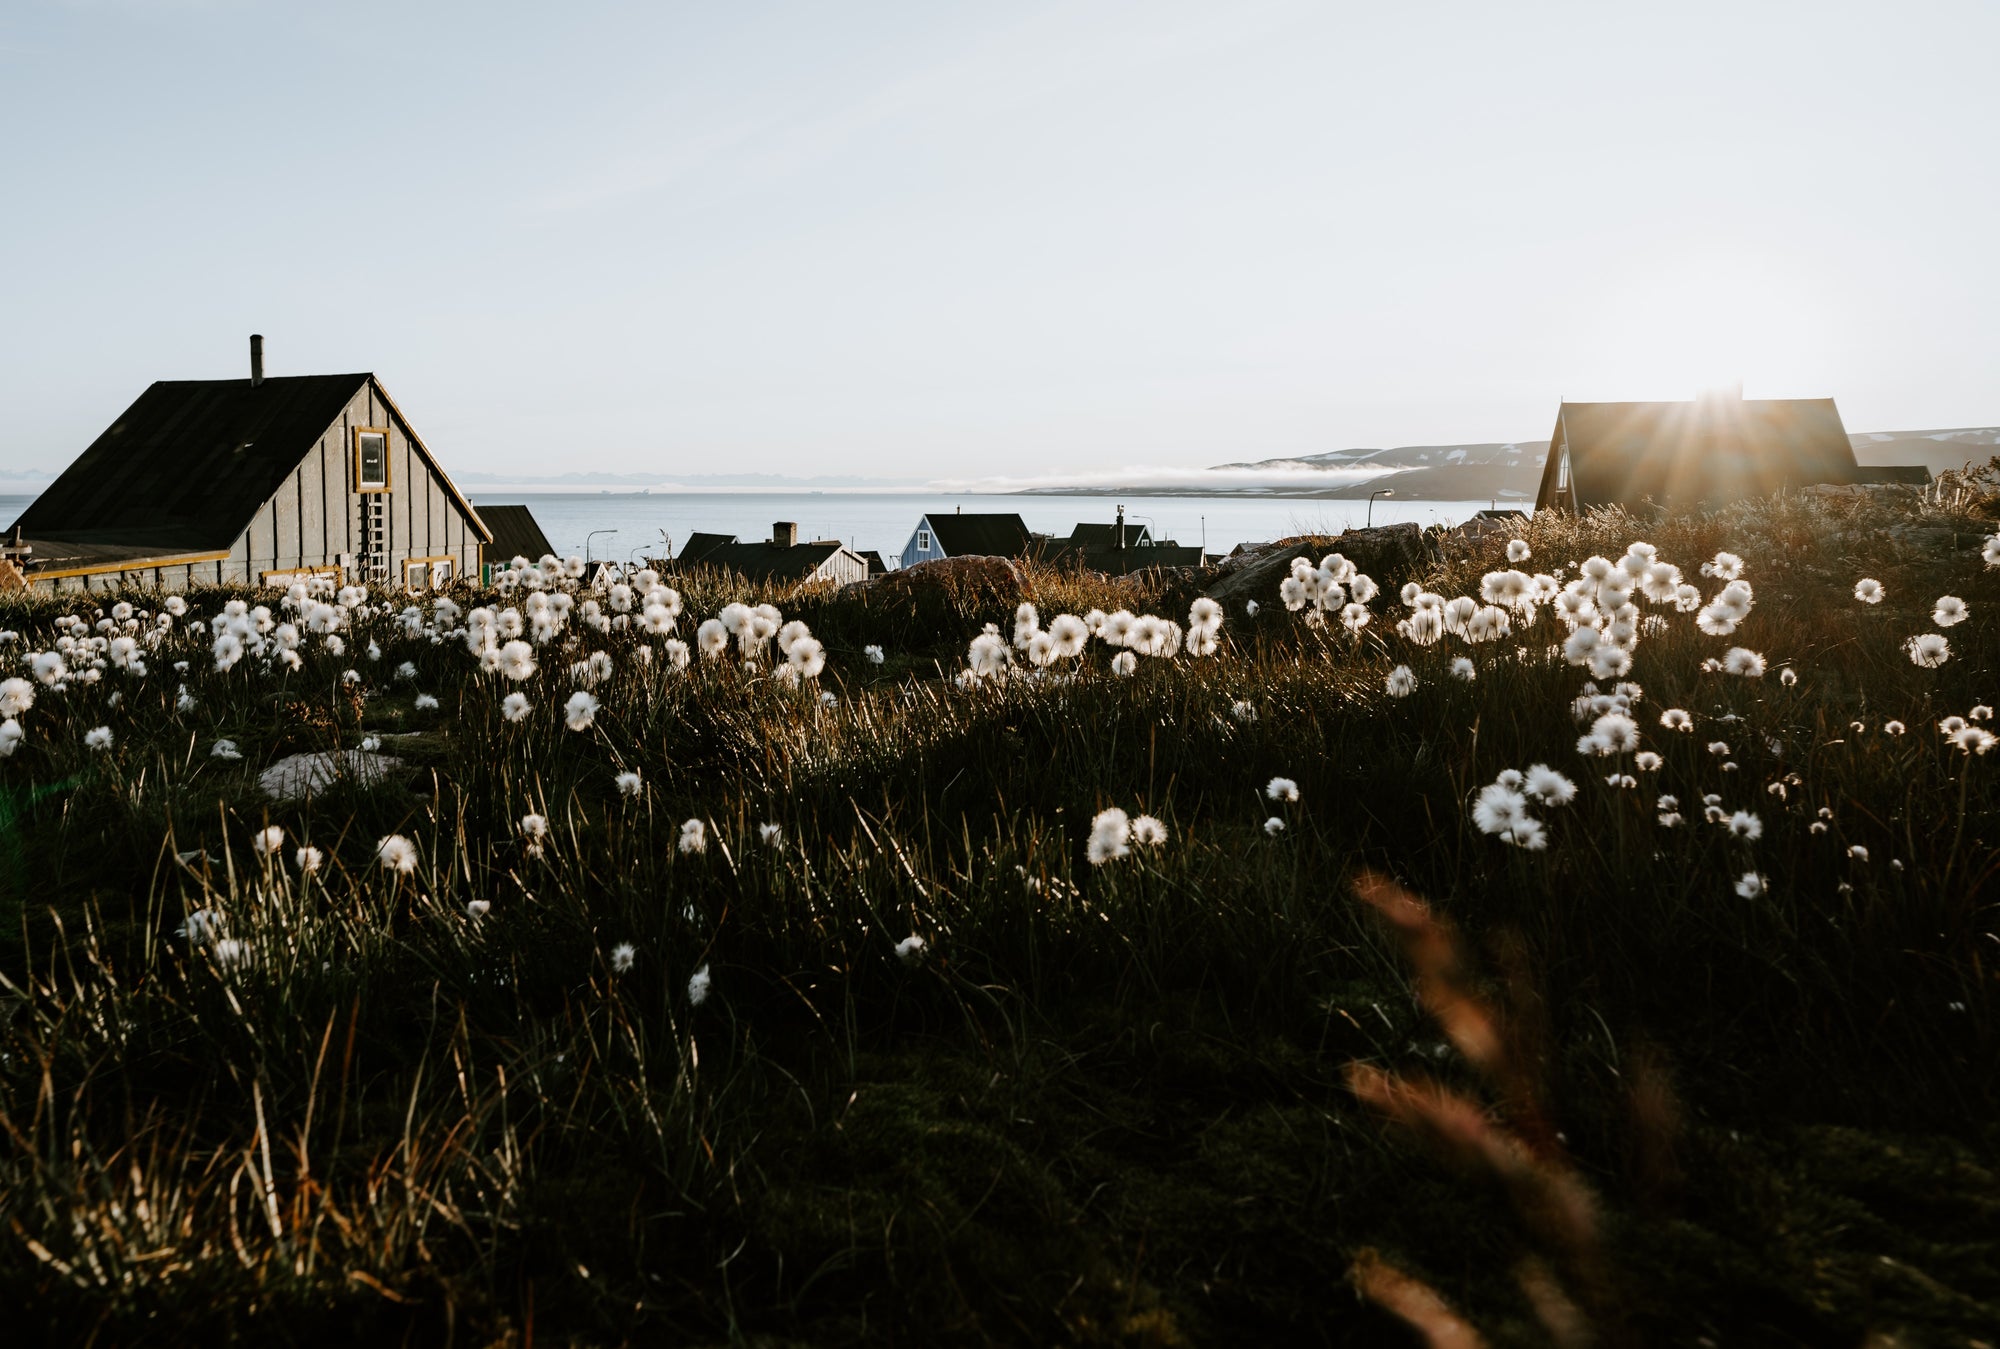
919,602
1390,554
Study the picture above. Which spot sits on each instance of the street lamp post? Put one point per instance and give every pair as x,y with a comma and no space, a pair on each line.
591,535
1379,492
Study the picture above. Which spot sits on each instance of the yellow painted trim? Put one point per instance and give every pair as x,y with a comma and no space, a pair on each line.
270,577
417,442
135,564
388,470
427,563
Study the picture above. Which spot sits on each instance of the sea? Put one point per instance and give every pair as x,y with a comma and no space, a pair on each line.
621,526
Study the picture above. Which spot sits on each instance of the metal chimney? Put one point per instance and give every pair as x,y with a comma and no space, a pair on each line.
1121,529
256,359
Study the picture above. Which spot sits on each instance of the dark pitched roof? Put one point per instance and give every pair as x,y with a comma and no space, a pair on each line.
1626,454
189,464
515,534
698,545
1090,536
984,535
876,566
762,561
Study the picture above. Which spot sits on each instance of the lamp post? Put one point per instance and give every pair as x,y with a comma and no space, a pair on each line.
1379,492
591,535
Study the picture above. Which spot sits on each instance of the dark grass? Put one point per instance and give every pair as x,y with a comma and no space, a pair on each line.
1109,1106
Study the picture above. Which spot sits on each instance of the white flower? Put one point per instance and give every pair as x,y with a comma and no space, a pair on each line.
266,842
1517,550
628,784
397,854
910,949
1282,789
621,957
1274,826
1973,739
202,927
1857,852
1718,747
514,707
580,711
1670,819
694,837
225,749
1725,567
517,660
371,743
1499,809
1148,832
16,697
1788,676
1990,550
1110,836
1928,649
98,740
1612,733
771,835
1243,711
1868,590
230,953
1742,661
478,908
1204,613
698,987
350,676
308,859
534,827
1746,826
1124,664
806,656
1401,682
1981,713
872,654
11,736
1892,728
1749,885
1463,668
1250,607
1949,609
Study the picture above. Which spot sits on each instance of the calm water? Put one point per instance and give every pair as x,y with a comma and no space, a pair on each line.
885,520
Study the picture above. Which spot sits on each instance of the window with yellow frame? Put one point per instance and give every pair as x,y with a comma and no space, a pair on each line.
371,459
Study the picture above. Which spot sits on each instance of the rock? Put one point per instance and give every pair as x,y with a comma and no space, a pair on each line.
966,583
1389,554
301,775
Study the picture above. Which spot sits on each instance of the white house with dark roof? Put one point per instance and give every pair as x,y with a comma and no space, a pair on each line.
251,481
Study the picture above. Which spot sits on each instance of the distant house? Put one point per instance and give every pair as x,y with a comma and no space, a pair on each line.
1705,452
876,566
515,534
961,535
252,481
783,559
1121,547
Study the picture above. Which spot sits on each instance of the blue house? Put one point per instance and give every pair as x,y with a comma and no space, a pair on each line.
960,535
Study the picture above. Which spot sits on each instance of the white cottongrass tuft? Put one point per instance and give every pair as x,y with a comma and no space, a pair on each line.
771,835
1281,789
1749,885
694,837
1110,837
1892,728
1463,668
1148,832
1928,649
1949,609
1243,711
397,854
1612,733
16,696
309,859
1548,786
580,712
1517,550
1401,683
1857,852
266,842
11,736
478,908
1274,826
910,950
872,654
1868,590
621,957
1973,739
514,707
1990,550
1124,664
97,740
425,702
1742,661
699,986
517,660
1746,826
628,783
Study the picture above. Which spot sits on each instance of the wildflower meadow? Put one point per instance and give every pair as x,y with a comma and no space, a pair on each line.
1584,933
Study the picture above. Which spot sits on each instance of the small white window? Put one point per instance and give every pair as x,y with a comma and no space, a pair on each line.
371,459
441,574
1562,469
923,540
414,575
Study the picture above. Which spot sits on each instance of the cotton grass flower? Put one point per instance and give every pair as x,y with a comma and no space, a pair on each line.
1517,550
1743,662
309,859
1110,837
1647,762
1749,885
1973,739
424,702
1928,650
1949,610
1746,826
1124,664
1462,668
628,784
1401,682
266,842
872,654
1274,826
771,835
1612,733
1857,852
580,712
225,750
1868,590
11,736
514,707
1892,728
693,838
910,950
698,987
16,696
517,660
1547,786
396,853
98,741
622,956
1243,711
476,909
1282,789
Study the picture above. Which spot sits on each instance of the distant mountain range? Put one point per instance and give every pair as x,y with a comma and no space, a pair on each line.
1512,470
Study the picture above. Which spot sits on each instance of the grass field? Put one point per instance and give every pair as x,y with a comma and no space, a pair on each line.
507,1058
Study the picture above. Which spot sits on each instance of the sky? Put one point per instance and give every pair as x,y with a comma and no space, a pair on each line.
1013,239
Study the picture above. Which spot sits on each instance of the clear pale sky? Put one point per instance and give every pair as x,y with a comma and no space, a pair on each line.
937,239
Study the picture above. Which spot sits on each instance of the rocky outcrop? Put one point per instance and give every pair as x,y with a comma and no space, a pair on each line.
1391,554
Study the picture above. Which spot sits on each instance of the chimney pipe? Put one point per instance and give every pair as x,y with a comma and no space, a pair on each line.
256,359
784,534
1121,529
